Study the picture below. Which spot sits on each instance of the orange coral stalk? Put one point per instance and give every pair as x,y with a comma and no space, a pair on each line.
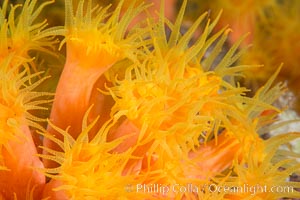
18,152
21,176
212,158
95,41
126,128
240,15
50,193
169,10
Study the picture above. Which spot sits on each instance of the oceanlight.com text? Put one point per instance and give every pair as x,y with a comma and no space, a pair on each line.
165,189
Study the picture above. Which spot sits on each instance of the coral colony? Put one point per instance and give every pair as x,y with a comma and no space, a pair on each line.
120,103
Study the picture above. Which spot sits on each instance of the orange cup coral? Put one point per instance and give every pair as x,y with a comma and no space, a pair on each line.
138,113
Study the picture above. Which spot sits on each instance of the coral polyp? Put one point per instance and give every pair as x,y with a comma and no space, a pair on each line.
141,108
